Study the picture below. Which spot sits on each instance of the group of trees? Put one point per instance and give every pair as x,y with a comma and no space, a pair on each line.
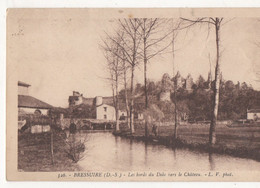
196,104
234,101
134,42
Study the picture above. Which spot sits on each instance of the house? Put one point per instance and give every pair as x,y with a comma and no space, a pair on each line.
28,104
104,106
106,111
253,114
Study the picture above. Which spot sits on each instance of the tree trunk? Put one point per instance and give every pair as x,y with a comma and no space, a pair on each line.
145,85
117,105
132,102
175,116
113,91
52,154
132,119
174,88
132,83
212,133
126,98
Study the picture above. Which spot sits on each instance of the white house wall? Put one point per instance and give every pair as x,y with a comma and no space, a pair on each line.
110,112
251,115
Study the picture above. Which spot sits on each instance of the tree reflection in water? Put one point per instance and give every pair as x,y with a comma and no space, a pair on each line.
211,161
145,153
131,152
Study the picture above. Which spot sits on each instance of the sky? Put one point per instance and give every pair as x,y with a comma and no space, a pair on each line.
58,52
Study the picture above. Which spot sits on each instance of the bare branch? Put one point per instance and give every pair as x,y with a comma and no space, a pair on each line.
224,23
199,20
159,51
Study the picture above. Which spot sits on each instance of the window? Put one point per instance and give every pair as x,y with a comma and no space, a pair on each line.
105,109
105,116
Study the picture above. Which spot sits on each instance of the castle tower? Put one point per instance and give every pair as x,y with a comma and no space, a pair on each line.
167,87
209,79
189,82
178,80
75,99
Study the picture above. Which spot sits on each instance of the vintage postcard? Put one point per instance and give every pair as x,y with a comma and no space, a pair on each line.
133,94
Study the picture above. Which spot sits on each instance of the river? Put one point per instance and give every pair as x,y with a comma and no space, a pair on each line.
106,152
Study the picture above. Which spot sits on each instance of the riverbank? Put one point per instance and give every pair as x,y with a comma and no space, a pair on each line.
34,153
241,142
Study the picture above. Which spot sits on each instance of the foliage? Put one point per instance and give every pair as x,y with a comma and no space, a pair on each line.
83,111
56,111
76,146
196,104
154,113
168,110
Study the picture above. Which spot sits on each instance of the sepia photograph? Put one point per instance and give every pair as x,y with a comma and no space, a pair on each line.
133,94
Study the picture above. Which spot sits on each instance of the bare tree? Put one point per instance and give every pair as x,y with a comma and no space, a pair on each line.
174,90
216,22
130,47
114,65
125,70
151,32
175,26
174,36
258,71
115,74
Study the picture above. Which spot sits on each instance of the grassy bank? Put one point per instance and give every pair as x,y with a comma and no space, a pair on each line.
236,141
34,153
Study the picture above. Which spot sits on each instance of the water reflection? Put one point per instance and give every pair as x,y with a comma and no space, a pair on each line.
145,153
211,161
107,152
131,153
116,147
174,153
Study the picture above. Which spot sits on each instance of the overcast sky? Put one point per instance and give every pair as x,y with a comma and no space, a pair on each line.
58,52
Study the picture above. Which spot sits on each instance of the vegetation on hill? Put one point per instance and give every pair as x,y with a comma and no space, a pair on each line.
196,104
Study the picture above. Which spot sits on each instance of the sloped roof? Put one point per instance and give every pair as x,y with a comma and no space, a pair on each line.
88,101
254,111
109,101
105,100
31,102
139,102
23,84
